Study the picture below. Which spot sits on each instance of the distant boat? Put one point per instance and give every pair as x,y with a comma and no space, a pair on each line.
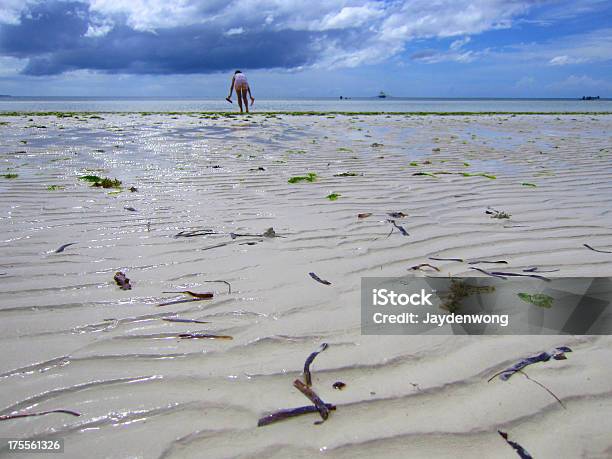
590,97
382,95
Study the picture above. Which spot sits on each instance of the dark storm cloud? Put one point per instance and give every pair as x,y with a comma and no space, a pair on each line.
53,38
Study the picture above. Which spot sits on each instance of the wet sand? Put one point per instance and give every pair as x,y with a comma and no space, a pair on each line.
71,339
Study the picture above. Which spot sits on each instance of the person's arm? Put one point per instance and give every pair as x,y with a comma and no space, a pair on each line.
249,91
231,88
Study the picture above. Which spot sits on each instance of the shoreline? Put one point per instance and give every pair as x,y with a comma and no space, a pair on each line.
62,114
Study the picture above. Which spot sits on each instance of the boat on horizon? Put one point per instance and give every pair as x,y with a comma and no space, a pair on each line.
382,95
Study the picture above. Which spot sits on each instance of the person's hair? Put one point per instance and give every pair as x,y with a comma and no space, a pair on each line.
237,71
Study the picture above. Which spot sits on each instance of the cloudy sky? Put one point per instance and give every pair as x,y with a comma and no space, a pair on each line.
302,48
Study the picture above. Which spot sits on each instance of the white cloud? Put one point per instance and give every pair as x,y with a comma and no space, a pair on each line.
460,43
235,31
565,60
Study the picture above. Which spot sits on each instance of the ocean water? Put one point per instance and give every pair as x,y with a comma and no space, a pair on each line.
96,104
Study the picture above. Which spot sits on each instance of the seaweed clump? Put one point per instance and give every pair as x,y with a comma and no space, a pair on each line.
460,290
101,182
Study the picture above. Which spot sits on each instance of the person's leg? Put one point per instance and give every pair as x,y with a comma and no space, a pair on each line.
239,91
244,99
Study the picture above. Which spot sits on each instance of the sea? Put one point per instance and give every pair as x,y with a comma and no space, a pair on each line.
362,104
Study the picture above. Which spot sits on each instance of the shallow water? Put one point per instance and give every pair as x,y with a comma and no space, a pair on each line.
50,104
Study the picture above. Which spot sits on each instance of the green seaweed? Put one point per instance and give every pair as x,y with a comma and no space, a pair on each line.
537,299
414,163
347,174
10,176
344,149
333,196
428,174
90,178
479,174
310,177
533,185
55,187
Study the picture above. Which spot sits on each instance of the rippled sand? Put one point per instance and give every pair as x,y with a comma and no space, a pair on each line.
71,339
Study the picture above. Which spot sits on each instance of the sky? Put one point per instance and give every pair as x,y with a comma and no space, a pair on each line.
313,48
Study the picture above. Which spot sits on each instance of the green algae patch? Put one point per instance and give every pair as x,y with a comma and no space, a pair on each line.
532,185
347,174
537,299
99,182
479,174
10,176
333,196
310,177
55,187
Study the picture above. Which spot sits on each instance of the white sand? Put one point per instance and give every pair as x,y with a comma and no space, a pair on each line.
70,338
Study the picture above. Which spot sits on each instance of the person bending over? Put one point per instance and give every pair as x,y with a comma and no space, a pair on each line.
241,85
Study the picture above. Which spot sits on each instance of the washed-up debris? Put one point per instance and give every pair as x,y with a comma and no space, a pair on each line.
479,174
133,189
308,362
376,145
446,259
194,233
318,279
399,227
10,176
427,174
532,185
181,320
364,215
491,262
267,233
290,413
504,275
101,182
523,454
535,269
558,353
6,417
202,296
55,187
596,250
310,177
131,209
424,265
338,385
250,242
63,247
537,299
314,398
203,336
347,174
459,290
122,281
333,196
397,214
257,169
498,213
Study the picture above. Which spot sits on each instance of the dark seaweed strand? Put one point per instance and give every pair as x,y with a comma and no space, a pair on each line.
523,454
7,417
596,250
535,276
289,413
446,259
492,262
63,247
488,273
319,280
309,361
399,227
313,397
